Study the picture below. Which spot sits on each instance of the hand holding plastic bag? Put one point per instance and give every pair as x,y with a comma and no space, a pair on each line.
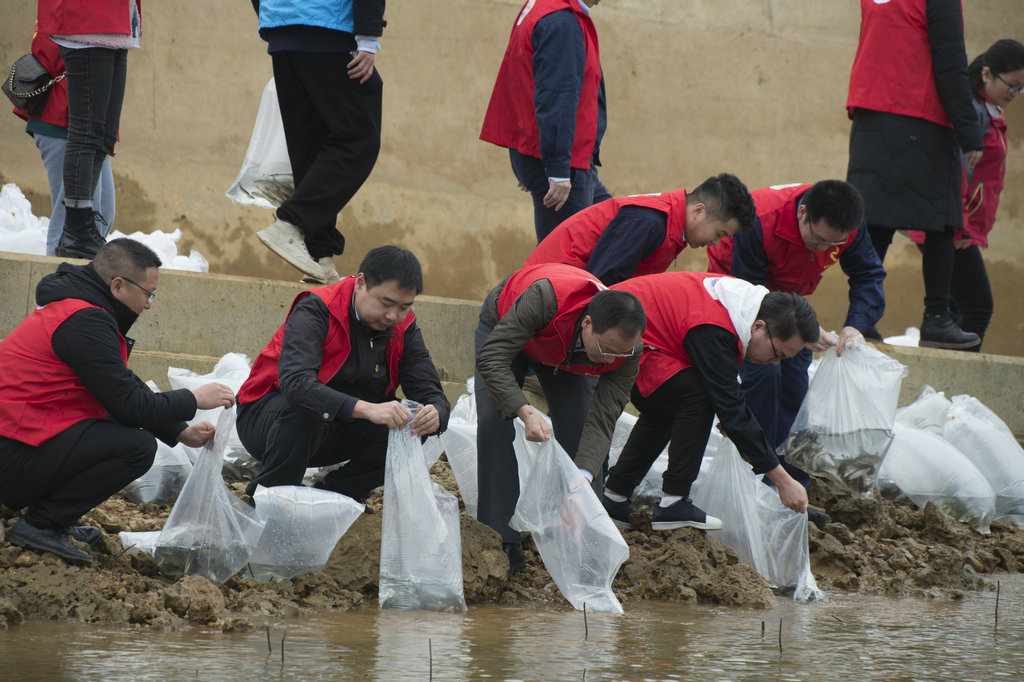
421,546
580,546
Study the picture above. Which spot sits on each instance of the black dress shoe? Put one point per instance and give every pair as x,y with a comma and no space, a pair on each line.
24,534
516,558
872,334
90,535
940,330
818,517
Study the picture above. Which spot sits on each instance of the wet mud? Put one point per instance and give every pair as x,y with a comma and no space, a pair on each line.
872,546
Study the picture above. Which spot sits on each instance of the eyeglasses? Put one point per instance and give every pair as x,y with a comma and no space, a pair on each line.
151,294
1014,89
602,351
777,355
821,240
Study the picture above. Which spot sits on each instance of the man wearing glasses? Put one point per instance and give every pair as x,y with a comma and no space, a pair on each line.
76,425
800,231
570,329
699,328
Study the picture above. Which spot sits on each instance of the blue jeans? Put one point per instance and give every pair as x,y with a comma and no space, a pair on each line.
51,149
587,190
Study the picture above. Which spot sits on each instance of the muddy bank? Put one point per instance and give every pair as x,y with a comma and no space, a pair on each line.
873,546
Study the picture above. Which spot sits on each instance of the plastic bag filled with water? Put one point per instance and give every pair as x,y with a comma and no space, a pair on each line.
209,532
265,178
421,545
924,467
302,527
844,425
764,532
579,544
164,480
929,412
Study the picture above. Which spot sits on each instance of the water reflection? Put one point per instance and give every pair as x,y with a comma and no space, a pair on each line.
850,636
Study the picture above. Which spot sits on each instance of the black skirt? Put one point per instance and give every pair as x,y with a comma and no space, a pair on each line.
907,169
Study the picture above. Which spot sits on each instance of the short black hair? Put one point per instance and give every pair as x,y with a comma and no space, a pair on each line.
837,202
726,198
386,263
1005,55
788,314
613,309
124,257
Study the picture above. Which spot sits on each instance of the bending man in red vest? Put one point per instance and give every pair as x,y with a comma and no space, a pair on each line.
548,109
641,235
323,389
76,425
569,328
699,328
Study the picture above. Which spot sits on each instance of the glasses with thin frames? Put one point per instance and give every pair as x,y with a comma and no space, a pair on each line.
821,240
151,294
1015,89
606,354
778,356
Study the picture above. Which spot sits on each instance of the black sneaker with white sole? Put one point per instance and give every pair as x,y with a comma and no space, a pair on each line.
683,514
618,511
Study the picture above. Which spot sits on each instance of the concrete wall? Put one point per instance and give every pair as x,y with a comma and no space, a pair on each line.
755,87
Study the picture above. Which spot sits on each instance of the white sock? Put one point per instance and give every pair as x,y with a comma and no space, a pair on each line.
614,497
669,500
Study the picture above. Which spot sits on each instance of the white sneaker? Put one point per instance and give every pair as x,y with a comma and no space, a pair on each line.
288,242
328,274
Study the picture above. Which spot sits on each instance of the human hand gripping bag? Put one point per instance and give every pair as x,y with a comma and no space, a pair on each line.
764,532
421,545
302,527
209,532
265,179
579,544
844,425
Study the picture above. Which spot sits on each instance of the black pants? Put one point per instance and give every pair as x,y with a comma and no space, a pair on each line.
95,78
937,254
72,472
287,441
332,127
677,414
497,470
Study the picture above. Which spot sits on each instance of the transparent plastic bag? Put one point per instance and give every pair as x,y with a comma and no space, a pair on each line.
924,467
459,441
580,546
265,178
143,541
209,532
421,545
302,527
844,425
996,453
164,480
764,532
929,412
231,370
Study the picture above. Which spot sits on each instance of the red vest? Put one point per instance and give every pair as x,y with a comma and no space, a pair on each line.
71,17
40,395
511,118
573,241
791,266
573,289
675,303
48,54
338,297
892,70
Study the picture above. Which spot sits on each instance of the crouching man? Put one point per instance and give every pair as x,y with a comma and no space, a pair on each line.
699,329
76,425
323,390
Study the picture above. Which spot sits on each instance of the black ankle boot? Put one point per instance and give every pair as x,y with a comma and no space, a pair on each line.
939,330
80,238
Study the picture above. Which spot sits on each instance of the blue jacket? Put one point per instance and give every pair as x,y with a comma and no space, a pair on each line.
358,17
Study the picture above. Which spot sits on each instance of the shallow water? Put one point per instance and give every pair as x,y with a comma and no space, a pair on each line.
846,637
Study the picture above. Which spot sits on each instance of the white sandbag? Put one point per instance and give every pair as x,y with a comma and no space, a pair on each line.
844,425
421,546
209,532
764,532
459,441
164,480
926,468
580,546
997,454
929,412
265,178
302,527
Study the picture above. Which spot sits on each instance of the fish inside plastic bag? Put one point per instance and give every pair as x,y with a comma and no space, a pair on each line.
579,544
924,467
764,532
164,480
209,531
265,178
844,425
302,527
421,545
